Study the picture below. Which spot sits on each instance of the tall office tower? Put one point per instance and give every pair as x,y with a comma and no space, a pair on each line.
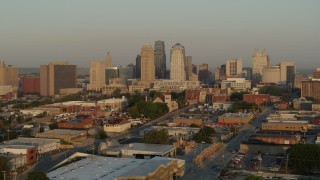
138,66
126,72
97,76
160,60
194,69
56,76
177,65
288,73
223,71
316,73
216,72
204,73
247,73
9,75
110,73
233,67
260,60
188,64
147,64
108,61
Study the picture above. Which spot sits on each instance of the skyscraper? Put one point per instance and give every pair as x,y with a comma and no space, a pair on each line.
260,60
138,67
147,64
233,67
160,60
204,73
288,72
177,65
194,69
56,76
9,75
108,61
97,76
188,64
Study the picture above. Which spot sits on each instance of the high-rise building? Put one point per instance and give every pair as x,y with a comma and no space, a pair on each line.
188,64
194,69
126,72
110,73
56,76
216,72
160,60
288,72
271,74
223,71
30,84
147,64
233,67
260,60
247,73
311,88
9,75
177,65
108,61
138,67
97,76
204,73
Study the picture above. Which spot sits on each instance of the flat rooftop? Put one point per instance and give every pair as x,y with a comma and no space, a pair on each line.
235,115
64,132
32,141
158,148
98,167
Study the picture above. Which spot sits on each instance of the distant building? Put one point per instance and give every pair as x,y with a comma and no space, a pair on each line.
188,64
288,73
216,72
259,61
138,67
160,60
68,91
9,75
177,63
194,69
56,76
111,73
126,72
298,80
97,76
311,88
271,74
174,85
246,73
316,73
204,73
8,93
30,84
147,64
238,84
108,61
233,67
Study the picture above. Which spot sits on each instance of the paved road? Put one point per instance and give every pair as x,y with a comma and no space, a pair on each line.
211,167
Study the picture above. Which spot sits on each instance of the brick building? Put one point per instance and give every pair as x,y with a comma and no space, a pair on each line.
258,99
30,84
311,88
221,98
285,126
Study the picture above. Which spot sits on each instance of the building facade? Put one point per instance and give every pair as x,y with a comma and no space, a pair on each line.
9,75
271,74
108,61
311,88
97,76
138,67
56,76
204,73
288,73
147,64
188,64
30,84
177,63
233,67
160,60
259,60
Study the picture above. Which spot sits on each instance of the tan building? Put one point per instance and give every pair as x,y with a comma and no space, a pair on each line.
259,61
64,134
271,74
288,72
238,84
188,121
165,85
97,76
282,126
9,75
55,76
188,64
311,88
68,91
118,127
177,63
233,67
235,118
147,64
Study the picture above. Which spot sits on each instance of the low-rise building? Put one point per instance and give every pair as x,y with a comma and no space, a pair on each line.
113,103
302,104
8,93
117,127
187,121
64,134
274,138
235,118
85,166
174,85
43,145
68,91
221,98
285,126
25,151
222,105
166,98
238,84
258,99
183,132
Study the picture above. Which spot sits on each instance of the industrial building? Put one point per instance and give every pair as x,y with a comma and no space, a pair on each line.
64,134
235,118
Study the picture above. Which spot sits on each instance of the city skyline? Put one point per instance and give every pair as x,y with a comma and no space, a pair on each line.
40,32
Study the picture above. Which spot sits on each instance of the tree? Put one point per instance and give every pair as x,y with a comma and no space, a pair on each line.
53,126
304,157
241,105
3,165
252,177
102,134
156,137
237,96
37,176
204,135
116,93
193,125
272,90
27,132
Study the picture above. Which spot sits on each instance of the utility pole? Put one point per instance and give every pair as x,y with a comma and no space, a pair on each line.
287,159
4,175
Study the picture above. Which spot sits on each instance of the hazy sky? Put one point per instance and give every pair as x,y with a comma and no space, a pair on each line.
36,32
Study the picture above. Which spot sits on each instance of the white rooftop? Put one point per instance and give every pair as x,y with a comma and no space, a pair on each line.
143,147
64,131
98,167
32,141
